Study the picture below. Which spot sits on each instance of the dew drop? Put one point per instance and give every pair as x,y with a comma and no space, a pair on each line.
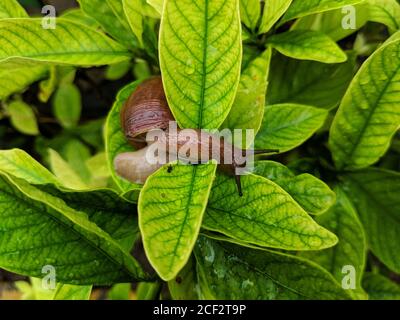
210,255
190,68
247,284
212,51
220,272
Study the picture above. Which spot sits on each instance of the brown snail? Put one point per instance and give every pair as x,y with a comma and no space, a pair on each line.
147,110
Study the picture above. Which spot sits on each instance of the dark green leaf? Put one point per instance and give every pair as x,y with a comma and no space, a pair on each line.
375,194
228,272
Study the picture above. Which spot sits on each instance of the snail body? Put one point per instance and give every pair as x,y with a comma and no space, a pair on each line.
145,114
133,167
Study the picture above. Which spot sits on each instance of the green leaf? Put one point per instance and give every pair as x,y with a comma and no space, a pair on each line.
273,10
200,58
351,249
331,22
301,8
380,287
307,45
250,11
310,83
265,215
386,12
68,43
71,292
286,126
133,11
23,118
80,251
19,79
107,209
157,5
67,105
11,9
120,291
141,69
21,165
171,207
115,141
98,170
76,154
375,194
34,290
369,114
118,70
78,16
64,173
228,272
248,108
48,85
183,287
110,15
312,194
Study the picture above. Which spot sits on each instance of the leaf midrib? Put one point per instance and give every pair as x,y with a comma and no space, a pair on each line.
183,224
204,67
364,127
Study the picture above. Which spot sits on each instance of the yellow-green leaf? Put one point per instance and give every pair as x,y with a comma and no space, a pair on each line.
72,292
68,43
200,57
386,12
311,193
265,215
134,13
110,15
23,118
20,78
248,108
67,105
330,22
307,45
250,11
286,126
171,207
64,173
369,114
20,164
11,9
301,8
273,10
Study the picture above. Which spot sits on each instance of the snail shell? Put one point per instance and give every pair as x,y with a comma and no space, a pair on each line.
146,109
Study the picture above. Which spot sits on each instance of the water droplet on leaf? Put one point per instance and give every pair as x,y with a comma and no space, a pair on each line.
190,68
